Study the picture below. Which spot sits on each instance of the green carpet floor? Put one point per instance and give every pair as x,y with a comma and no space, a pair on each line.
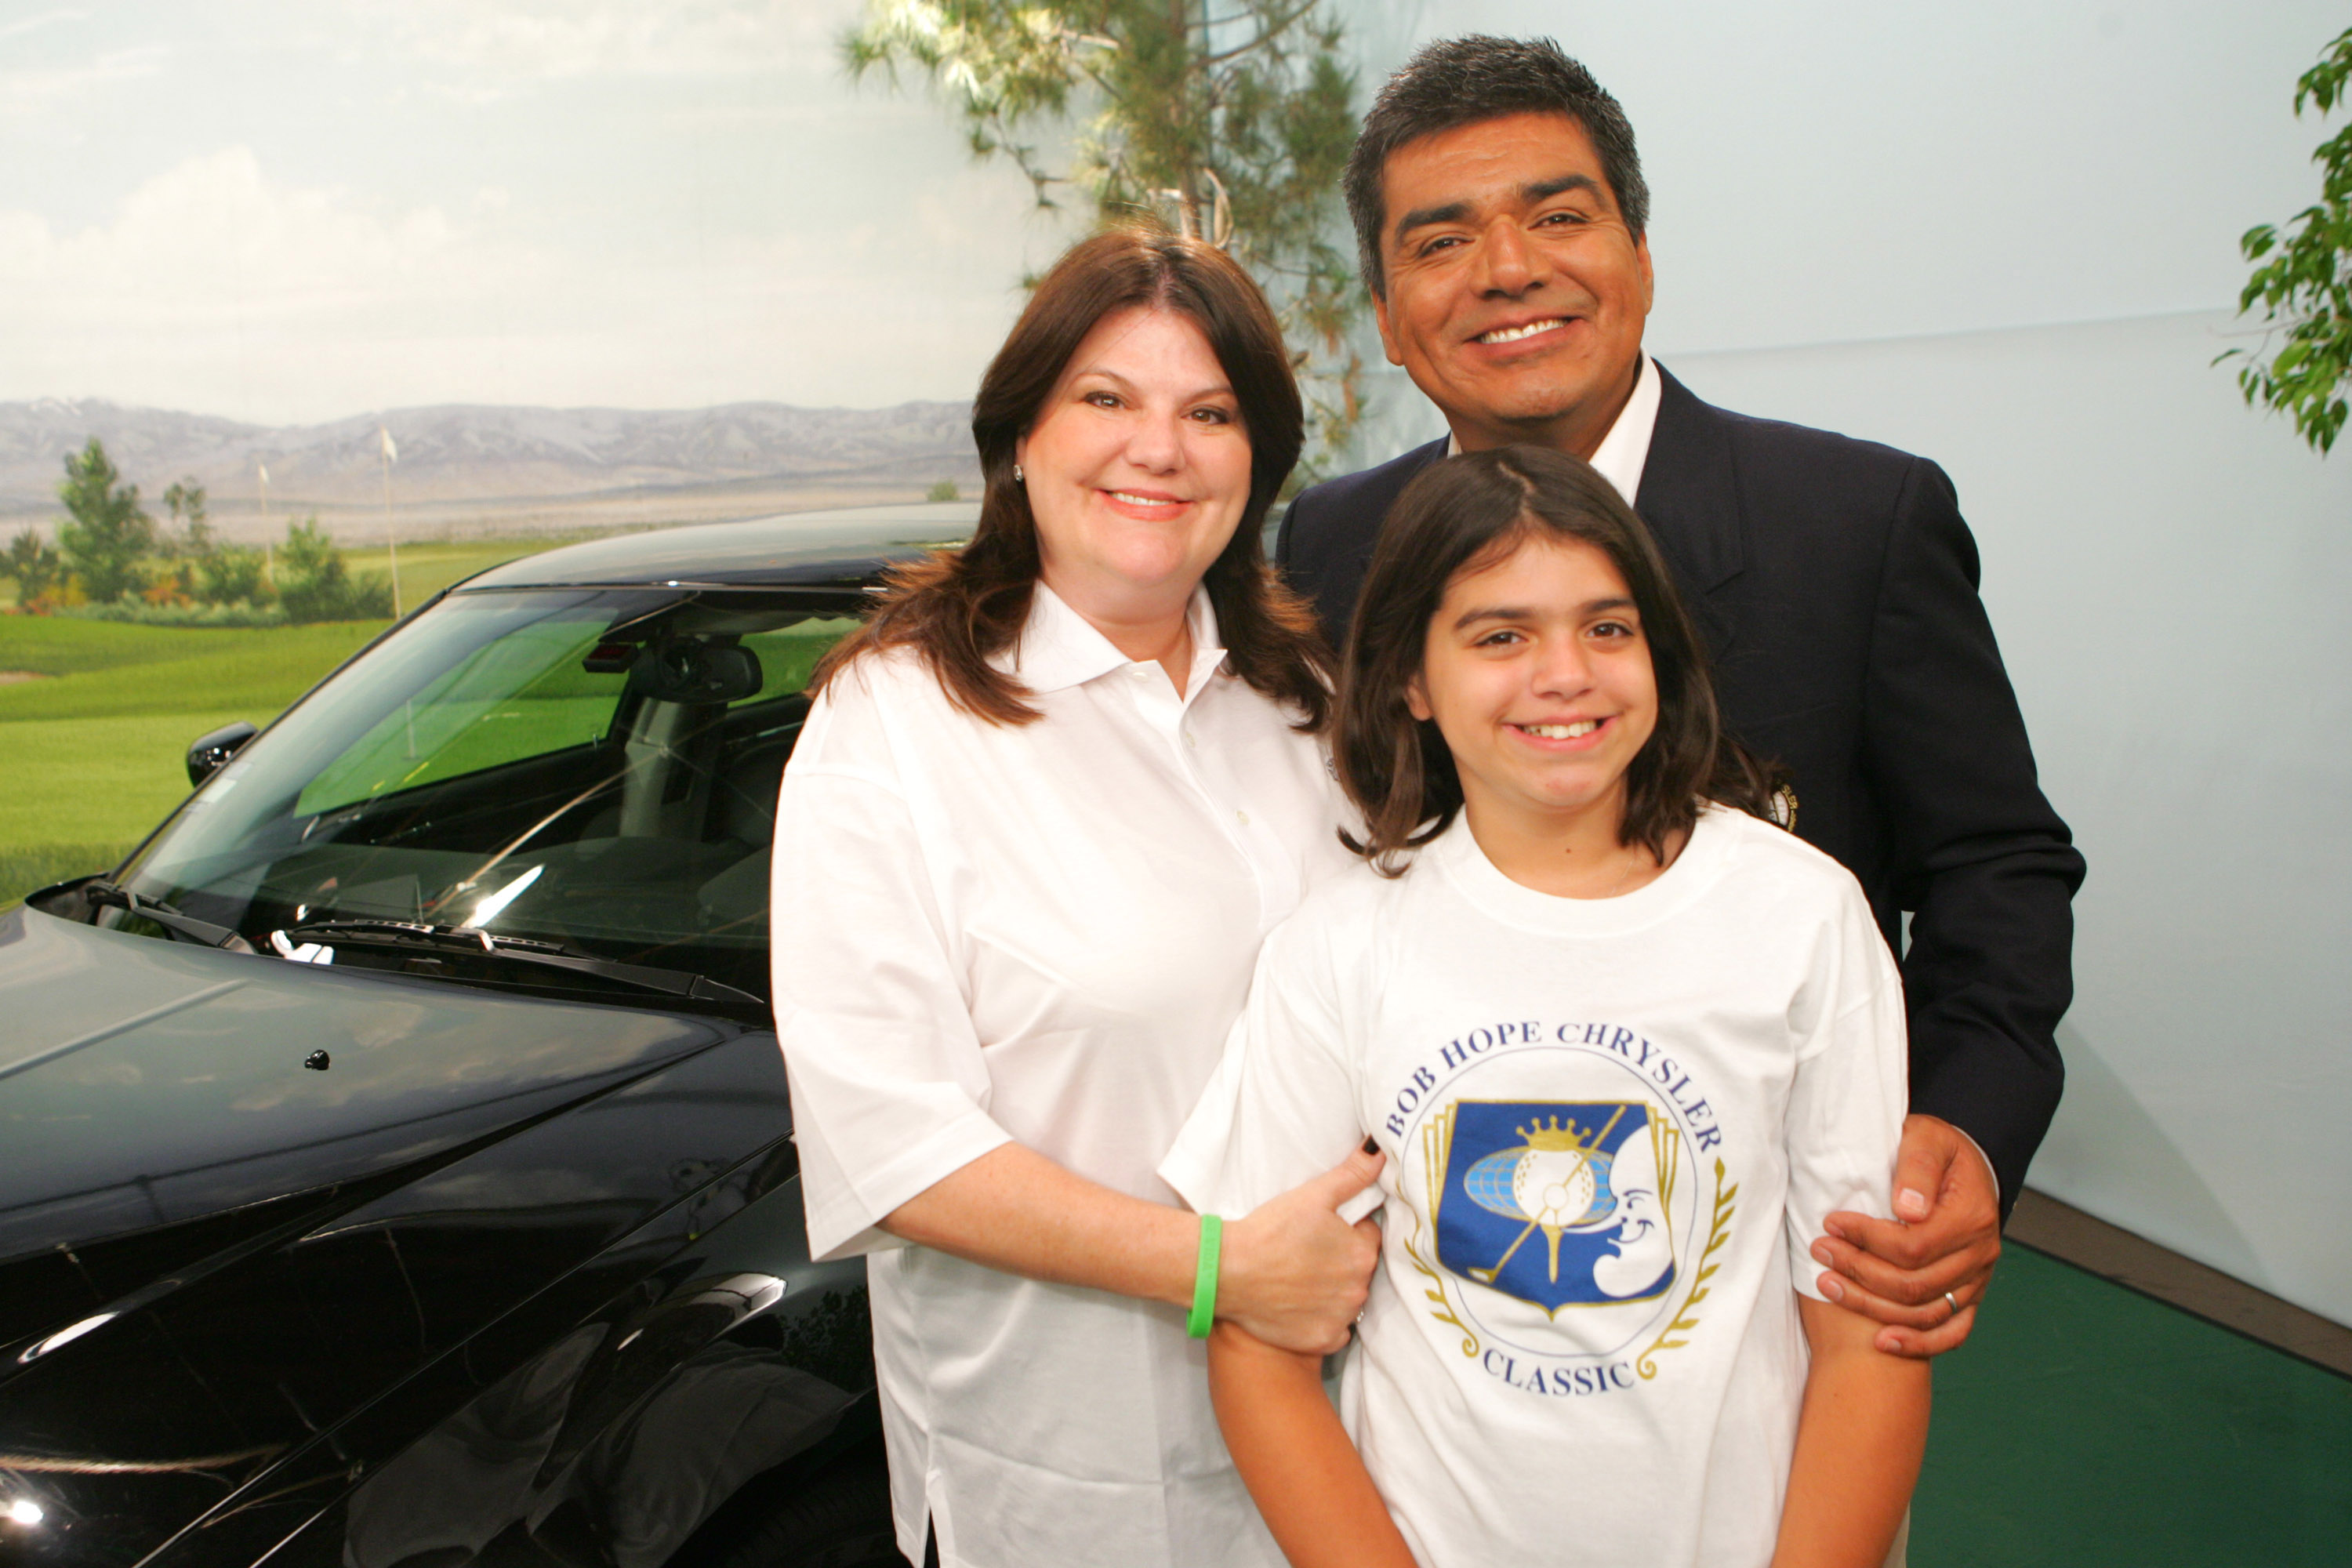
2084,1425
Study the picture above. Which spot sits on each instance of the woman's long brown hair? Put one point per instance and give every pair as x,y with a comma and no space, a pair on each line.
957,608
1466,513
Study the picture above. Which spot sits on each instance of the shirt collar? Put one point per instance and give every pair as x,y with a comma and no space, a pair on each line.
1625,451
1059,648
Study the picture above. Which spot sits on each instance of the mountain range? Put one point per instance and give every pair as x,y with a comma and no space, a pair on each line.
457,455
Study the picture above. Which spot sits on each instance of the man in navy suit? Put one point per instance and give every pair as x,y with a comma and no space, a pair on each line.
1500,214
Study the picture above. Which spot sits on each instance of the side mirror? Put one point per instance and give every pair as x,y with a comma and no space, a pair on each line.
207,753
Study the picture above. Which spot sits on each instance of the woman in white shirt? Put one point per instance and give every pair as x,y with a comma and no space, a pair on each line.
1057,791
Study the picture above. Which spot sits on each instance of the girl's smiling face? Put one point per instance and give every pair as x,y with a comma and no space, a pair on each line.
1538,675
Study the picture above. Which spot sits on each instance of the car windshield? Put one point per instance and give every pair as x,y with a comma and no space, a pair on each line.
592,768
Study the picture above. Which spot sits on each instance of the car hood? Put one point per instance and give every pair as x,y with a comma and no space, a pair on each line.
148,1084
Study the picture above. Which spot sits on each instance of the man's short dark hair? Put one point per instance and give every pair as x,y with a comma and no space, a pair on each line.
1461,82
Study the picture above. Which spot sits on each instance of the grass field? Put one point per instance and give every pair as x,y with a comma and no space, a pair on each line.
424,569
92,749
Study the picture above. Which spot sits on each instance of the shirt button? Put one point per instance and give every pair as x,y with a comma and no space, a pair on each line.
1242,817
1188,738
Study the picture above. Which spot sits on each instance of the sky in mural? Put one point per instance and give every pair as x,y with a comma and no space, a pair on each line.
299,209
293,210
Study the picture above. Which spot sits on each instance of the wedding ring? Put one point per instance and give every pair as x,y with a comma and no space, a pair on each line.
1955,1300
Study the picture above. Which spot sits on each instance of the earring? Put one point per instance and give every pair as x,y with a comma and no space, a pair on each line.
1018,477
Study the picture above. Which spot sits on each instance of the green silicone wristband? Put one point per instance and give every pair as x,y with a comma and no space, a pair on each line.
1204,1279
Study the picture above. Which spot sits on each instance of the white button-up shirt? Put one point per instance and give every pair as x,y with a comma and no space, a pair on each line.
1038,933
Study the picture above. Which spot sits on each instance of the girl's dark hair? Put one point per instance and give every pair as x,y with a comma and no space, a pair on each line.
1465,514
959,607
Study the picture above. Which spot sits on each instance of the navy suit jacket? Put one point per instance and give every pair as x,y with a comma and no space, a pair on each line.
1836,587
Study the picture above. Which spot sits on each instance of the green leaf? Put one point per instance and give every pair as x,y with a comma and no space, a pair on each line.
2304,282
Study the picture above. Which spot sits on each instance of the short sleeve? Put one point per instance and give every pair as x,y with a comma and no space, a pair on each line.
1282,1106
1845,1110
889,1085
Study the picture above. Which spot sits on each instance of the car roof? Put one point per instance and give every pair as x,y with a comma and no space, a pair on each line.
845,546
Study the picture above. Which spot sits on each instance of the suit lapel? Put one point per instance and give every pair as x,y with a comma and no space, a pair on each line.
1690,497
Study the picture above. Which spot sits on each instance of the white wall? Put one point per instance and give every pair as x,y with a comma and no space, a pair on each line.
2004,235
2168,575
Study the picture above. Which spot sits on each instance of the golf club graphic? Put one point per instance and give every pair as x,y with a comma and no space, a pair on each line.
1556,1180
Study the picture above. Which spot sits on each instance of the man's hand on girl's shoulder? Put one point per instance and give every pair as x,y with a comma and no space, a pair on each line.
1923,1273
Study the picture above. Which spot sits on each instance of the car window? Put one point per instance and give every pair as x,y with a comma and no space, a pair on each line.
594,769
525,694
788,655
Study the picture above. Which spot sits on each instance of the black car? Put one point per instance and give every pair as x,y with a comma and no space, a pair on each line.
395,1163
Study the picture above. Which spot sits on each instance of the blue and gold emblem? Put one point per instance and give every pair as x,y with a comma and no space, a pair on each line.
1595,1180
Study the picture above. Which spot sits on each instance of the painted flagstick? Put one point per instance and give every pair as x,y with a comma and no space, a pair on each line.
391,455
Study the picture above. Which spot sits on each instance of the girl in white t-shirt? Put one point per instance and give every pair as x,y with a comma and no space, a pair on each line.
1625,1045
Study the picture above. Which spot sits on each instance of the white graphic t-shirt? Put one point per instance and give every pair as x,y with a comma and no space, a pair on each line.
1613,1128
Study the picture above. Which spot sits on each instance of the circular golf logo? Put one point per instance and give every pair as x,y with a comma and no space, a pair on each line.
1563,1190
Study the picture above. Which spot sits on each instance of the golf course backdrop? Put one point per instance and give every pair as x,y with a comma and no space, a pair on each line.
96,716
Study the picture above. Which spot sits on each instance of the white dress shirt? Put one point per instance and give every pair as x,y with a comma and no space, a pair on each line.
1038,933
1624,452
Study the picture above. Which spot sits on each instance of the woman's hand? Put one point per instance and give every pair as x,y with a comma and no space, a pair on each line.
1293,1273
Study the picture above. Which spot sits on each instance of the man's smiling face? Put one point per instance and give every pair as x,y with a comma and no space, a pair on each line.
1514,292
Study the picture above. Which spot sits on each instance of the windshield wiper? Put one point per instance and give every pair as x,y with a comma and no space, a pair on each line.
107,895
521,949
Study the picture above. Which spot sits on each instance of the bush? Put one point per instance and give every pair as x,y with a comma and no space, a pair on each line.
235,614
34,565
315,585
231,574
